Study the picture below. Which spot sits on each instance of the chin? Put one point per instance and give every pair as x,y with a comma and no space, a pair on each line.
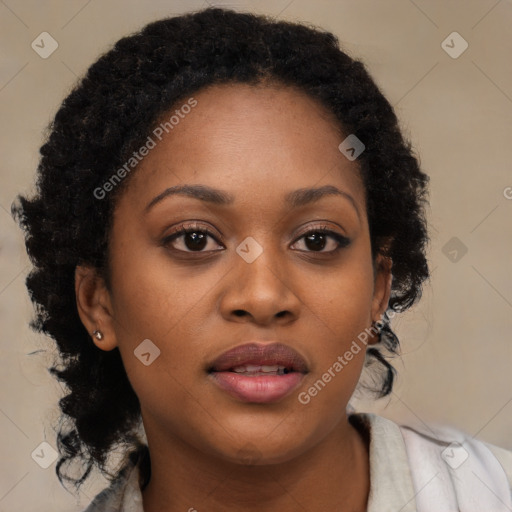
266,446
258,455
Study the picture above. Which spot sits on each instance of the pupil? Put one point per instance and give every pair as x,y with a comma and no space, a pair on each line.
311,244
198,240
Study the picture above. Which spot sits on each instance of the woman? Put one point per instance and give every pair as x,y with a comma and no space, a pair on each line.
227,217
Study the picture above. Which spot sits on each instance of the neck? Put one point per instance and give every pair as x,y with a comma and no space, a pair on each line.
333,474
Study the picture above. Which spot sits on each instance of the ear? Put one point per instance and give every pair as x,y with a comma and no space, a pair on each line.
382,287
94,306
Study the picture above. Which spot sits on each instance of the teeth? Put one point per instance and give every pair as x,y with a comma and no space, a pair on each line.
251,369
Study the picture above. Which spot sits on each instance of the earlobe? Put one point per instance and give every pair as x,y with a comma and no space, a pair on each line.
94,307
382,287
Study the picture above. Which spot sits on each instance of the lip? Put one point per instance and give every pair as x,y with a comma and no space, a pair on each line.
258,388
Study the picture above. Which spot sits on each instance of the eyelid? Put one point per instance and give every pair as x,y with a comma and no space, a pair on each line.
322,228
190,226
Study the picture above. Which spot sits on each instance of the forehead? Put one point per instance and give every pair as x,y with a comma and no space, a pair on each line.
256,140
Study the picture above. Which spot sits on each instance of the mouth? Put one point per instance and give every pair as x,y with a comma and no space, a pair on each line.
258,373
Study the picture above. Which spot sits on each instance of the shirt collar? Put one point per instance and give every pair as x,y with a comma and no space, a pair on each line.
391,486
388,462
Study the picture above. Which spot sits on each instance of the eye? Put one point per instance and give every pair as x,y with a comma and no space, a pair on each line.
317,239
194,238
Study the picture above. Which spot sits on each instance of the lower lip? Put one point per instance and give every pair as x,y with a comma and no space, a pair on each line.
257,389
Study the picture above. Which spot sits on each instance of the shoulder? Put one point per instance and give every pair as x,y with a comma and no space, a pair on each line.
455,446
109,499
123,495
504,457
448,468
450,465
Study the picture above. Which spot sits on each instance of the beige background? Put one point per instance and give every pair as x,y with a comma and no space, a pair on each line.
457,348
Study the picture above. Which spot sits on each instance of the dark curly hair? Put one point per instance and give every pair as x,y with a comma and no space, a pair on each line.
110,113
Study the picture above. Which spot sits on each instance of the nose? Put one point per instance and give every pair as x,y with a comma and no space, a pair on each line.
261,292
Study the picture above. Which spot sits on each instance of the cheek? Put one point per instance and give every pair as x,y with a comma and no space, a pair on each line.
151,296
154,300
342,299
341,310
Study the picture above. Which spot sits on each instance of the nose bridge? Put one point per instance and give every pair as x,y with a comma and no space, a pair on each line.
259,263
258,285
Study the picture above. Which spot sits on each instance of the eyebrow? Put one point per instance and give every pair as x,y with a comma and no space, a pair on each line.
294,199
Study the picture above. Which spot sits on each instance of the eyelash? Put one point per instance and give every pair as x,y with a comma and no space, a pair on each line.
184,229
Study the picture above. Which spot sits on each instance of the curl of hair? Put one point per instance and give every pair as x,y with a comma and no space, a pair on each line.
110,113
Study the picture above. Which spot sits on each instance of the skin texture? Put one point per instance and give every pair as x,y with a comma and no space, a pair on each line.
209,450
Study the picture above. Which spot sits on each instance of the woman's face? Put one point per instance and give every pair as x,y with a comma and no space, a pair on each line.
259,277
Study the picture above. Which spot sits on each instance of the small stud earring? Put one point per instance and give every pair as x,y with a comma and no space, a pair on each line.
98,335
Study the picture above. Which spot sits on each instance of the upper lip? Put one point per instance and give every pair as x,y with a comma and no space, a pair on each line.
260,354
